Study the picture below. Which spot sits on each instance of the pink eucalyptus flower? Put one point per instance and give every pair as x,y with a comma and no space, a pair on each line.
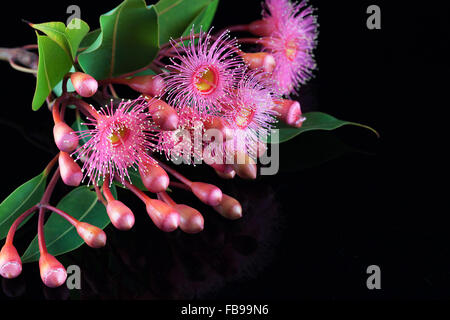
291,43
203,73
186,141
251,114
118,139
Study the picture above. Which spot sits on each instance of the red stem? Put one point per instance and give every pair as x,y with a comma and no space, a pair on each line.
107,191
63,214
179,185
166,198
176,174
85,108
250,40
41,237
99,195
17,222
139,193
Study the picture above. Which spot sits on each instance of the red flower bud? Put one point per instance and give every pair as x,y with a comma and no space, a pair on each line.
10,263
244,166
64,136
225,171
207,193
259,60
84,84
70,171
290,112
148,84
53,273
229,208
191,221
154,178
164,115
261,28
163,216
92,235
120,215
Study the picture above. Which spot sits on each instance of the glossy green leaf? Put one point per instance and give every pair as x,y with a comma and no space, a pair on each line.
60,236
176,17
89,39
204,19
68,38
314,121
128,41
54,63
22,199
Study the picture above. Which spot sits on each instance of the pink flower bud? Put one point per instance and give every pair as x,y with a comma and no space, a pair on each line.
261,28
229,208
290,112
70,171
85,85
148,84
191,221
53,273
244,166
154,178
225,171
207,193
120,215
259,60
92,235
163,216
64,136
164,115
10,263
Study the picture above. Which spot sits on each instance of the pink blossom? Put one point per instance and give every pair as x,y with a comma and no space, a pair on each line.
118,140
203,73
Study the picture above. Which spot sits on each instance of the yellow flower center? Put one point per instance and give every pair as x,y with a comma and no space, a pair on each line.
206,81
244,117
117,136
291,50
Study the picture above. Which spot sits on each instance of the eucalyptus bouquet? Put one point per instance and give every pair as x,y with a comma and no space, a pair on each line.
201,96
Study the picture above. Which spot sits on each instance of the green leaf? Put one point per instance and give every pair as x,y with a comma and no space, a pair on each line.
68,38
204,19
128,41
60,236
314,121
176,17
22,199
53,65
89,39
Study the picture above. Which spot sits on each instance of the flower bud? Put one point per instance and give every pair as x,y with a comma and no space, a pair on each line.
261,28
53,273
10,263
229,208
154,178
85,85
207,193
163,216
120,215
164,115
148,84
92,235
191,221
65,138
290,112
70,171
259,60
244,166
225,171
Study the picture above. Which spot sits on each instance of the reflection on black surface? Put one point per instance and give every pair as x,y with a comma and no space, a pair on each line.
148,264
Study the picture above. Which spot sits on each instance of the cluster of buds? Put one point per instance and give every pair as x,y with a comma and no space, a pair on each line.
209,101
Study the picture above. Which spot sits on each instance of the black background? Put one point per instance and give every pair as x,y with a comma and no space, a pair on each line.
342,200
